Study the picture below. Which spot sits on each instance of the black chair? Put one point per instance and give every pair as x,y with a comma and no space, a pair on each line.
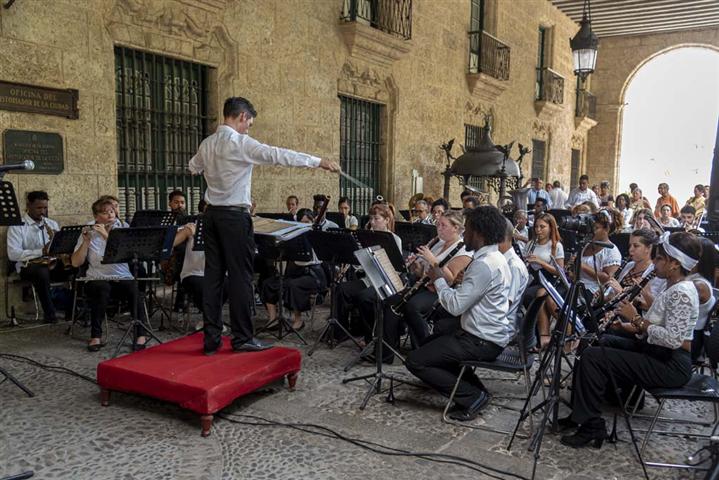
515,358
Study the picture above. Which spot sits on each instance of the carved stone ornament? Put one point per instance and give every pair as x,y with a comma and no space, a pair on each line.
546,110
190,29
362,82
485,87
583,124
578,141
541,130
373,45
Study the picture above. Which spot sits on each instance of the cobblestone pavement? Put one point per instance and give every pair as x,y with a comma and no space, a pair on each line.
64,433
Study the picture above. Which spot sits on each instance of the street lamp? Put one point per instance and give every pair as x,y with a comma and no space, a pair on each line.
584,45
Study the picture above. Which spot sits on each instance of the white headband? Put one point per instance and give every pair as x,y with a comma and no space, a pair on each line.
685,260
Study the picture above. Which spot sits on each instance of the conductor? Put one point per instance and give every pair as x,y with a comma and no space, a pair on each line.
226,159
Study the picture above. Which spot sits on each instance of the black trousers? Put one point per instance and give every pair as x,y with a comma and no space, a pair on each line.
631,362
298,284
99,293
356,294
229,250
415,315
40,276
194,286
436,363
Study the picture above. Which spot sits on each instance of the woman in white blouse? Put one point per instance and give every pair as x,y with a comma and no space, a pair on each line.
659,355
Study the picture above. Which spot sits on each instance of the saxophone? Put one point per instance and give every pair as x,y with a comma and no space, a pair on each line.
46,260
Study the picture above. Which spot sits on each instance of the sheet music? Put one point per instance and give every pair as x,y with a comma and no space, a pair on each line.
280,229
388,270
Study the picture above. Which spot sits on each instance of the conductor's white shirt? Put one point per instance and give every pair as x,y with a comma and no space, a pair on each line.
226,159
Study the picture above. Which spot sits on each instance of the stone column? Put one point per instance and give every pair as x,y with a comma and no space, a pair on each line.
604,145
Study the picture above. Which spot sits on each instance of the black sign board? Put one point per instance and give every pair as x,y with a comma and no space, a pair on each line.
20,97
43,148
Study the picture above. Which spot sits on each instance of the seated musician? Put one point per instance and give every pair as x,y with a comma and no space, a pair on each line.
688,218
470,202
421,214
483,330
27,246
343,206
538,255
703,277
319,200
106,280
641,245
521,233
599,264
293,204
659,358
177,202
300,280
115,206
359,292
439,207
519,277
414,313
192,274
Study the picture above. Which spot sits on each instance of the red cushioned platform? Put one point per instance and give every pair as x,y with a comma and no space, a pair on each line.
179,372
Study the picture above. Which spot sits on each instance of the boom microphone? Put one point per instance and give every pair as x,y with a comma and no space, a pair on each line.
26,165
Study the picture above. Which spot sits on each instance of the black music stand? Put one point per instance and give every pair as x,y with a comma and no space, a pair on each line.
198,244
10,215
64,241
295,249
153,218
384,289
132,246
414,235
336,247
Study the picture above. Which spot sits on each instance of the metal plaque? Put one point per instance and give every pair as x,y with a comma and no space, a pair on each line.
43,148
20,97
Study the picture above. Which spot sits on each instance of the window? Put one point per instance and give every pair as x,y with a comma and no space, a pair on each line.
162,116
541,61
360,143
538,159
576,165
476,22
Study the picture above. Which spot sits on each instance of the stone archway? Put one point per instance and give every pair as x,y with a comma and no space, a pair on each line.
619,59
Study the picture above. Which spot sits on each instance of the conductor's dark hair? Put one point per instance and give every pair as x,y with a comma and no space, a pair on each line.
234,106
37,195
176,193
441,201
489,222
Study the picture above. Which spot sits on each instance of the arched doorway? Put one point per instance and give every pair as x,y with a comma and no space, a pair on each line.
669,120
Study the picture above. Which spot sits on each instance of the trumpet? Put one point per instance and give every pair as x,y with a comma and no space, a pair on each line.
422,282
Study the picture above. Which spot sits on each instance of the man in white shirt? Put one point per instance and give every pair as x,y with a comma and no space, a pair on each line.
557,196
226,159
482,302
30,241
582,194
318,202
519,277
421,213
293,204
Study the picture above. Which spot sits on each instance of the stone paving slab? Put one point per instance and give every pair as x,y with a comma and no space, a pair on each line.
63,433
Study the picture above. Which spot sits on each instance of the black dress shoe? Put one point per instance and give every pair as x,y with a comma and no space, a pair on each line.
566,423
253,345
469,414
593,432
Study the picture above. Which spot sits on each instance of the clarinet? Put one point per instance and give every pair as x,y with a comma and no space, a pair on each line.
601,292
629,294
397,308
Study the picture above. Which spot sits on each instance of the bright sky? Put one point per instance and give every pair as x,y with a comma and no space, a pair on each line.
670,123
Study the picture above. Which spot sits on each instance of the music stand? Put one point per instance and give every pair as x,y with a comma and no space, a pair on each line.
374,261
10,215
414,235
295,249
384,240
336,247
198,245
64,241
153,218
131,246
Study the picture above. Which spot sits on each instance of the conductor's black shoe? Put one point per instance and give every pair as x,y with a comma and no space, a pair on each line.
469,414
253,345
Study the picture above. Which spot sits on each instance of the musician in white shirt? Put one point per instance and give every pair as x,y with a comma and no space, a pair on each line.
482,302
519,277
226,159
31,241
107,280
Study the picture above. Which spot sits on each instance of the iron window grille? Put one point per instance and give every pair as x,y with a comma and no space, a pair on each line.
162,116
